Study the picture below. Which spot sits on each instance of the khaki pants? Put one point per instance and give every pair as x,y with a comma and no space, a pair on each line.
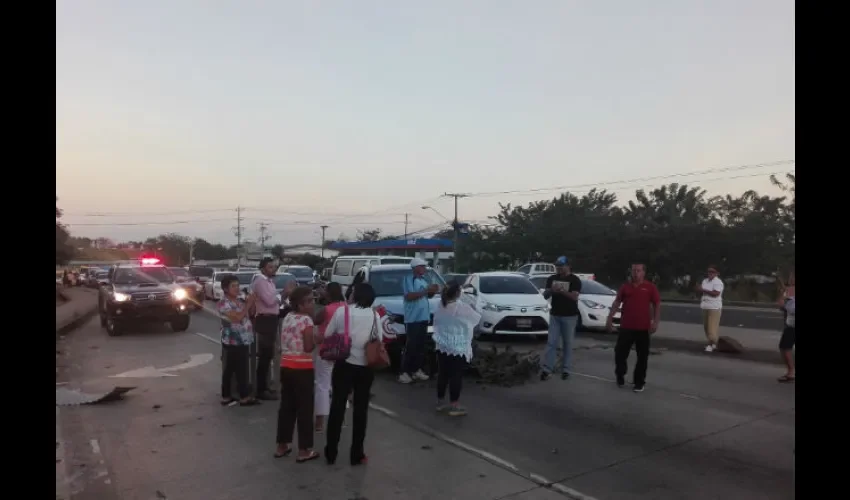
711,324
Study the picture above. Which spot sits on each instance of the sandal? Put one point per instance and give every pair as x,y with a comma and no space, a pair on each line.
785,379
284,454
312,456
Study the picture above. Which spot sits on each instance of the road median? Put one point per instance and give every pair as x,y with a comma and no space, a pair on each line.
757,345
80,306
732,303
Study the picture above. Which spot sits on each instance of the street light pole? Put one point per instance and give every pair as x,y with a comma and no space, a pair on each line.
455,223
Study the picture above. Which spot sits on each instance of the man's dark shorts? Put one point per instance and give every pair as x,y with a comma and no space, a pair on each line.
789,338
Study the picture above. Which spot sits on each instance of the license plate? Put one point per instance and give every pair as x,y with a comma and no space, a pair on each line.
523,323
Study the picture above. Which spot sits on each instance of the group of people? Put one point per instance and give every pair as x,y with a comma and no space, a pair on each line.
315,391
639,302
711,291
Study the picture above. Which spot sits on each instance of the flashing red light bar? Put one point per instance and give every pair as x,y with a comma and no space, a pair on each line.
150,261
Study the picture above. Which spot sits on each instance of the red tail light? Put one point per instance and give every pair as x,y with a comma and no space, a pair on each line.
150,261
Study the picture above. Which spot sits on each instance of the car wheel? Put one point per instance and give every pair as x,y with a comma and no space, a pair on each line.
180,323
113,328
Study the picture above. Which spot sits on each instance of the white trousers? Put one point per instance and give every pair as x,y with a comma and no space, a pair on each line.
323,371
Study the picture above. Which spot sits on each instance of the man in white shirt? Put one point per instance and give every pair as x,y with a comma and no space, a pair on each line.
711,304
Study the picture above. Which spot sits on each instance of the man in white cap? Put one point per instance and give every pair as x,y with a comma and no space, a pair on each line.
417,315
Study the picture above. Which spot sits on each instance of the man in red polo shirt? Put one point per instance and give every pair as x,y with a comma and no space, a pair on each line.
641,313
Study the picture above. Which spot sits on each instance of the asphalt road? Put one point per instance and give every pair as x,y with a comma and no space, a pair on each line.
732,316
705,428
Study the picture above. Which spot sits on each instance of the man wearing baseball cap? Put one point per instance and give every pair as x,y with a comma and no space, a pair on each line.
563,288
417,315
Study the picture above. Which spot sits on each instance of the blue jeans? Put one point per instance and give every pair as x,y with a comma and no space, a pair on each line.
562,331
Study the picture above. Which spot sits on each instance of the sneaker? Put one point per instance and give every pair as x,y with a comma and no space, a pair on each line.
621,381
420,375
565,376
457,411
404,378
639,388
442,406
709,348
544,376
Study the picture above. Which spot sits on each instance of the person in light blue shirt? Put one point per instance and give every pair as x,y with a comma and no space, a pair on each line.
417,315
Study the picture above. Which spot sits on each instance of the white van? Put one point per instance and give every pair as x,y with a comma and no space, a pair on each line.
346,266
537,269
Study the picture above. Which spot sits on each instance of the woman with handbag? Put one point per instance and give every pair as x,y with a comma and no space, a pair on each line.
354,372
324,368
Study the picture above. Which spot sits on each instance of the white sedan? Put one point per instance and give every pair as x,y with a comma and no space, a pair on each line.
212,288
508,303
594,303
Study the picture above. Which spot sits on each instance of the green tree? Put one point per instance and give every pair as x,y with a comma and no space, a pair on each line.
369,234
64,251
278,251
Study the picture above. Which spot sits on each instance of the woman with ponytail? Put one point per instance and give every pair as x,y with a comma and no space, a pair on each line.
454,323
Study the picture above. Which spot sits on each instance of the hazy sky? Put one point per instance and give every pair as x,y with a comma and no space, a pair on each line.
353,113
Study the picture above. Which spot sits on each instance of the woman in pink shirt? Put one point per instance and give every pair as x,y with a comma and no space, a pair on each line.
323,368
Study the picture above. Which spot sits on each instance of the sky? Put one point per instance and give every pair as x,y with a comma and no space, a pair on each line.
170,114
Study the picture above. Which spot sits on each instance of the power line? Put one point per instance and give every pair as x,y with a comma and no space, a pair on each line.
638,179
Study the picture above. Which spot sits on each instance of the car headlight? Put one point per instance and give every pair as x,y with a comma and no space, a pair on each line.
120,297
179,294
490,307
593,305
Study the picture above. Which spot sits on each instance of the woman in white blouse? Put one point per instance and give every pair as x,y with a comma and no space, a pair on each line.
352,374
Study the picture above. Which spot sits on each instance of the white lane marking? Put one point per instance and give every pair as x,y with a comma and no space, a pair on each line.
566,490
100,471
205,337
146,372
489,457
594,377
194,360
152,372
95,446
689,396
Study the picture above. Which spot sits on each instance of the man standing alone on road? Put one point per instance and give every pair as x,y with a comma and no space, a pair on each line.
711,304
417,315
641,313
265,323
563,288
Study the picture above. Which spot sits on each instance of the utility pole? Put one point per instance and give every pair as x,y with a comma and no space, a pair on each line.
324,228
406,220
456,196
263,236
238,232
191,251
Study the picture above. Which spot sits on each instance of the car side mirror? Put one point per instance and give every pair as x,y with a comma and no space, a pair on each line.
470,290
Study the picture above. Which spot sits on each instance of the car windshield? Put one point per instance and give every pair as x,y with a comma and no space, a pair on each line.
201,272
135,275
595,288
300,272
540,282
244,278
281,280
102,275
497,285
395,261
389,283
456,278
179,271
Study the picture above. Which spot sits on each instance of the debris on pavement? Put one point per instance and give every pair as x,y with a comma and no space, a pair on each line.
70,397
504,367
